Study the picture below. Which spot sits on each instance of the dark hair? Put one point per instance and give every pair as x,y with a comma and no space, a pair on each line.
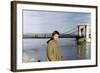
55,32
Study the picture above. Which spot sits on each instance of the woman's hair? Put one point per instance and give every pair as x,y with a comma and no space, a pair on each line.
52,37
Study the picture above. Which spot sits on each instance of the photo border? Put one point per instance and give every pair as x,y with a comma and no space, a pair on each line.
14,34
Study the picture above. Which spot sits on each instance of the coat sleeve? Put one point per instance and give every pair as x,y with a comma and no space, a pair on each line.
51,51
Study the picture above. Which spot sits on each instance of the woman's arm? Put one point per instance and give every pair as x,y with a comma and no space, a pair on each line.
51,51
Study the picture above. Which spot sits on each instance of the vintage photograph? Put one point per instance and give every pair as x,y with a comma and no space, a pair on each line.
47,36
56,36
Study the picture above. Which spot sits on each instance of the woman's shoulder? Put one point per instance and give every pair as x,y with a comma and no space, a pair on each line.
52,42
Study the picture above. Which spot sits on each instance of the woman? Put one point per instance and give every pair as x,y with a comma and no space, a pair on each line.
53,51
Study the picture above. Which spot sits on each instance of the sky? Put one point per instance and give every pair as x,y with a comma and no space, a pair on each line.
48,21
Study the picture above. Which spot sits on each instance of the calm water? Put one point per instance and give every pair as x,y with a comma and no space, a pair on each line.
35,49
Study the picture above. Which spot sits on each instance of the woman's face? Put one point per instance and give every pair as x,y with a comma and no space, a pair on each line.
56,37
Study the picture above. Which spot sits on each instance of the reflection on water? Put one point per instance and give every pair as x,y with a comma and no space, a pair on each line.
83,50
35,49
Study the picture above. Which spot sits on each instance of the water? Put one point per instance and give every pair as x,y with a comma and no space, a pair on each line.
35,49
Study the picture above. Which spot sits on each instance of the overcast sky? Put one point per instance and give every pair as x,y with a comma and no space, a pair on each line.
48,21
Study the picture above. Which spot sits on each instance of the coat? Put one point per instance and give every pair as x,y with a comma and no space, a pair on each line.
53,52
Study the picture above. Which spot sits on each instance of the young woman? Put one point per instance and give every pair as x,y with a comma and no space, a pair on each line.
53,51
